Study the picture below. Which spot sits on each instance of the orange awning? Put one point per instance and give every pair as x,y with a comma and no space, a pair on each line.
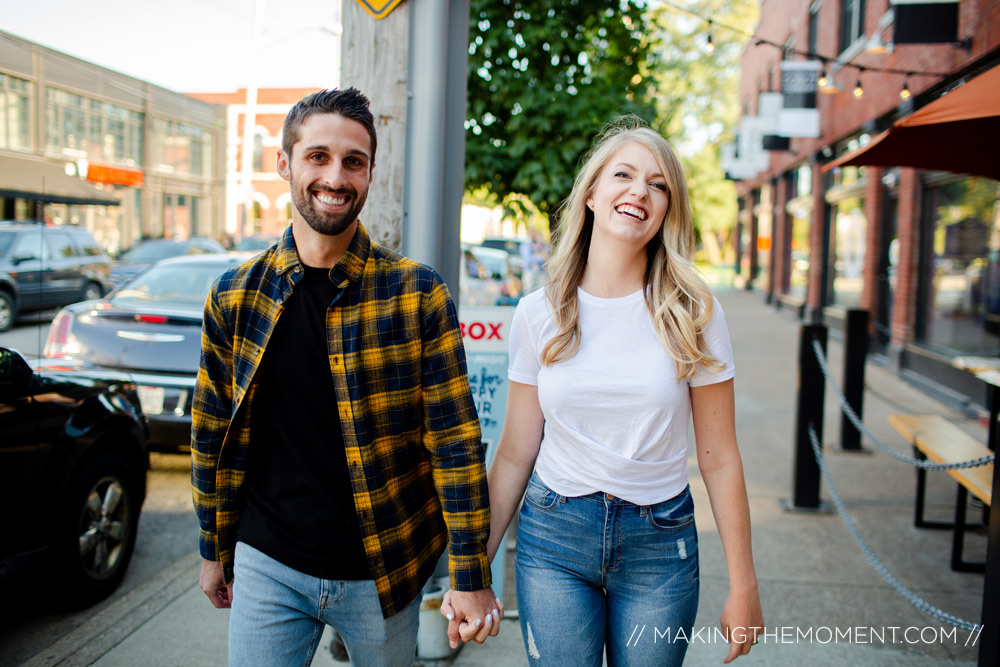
100,173
959,132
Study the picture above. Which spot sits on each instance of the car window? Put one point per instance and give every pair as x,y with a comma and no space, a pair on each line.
30,244
6,239
152,252
61,245
181,284
89,246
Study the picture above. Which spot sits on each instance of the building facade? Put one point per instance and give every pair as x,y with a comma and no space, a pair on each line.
264,206
919,250
84,145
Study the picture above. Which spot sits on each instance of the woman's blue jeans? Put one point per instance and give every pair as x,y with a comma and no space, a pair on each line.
278,615
596,572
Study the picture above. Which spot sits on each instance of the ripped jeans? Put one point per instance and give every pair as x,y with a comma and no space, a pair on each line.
596,572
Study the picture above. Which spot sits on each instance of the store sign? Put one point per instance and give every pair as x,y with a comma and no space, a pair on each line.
799,116
99,173
769,107
379,9
924,21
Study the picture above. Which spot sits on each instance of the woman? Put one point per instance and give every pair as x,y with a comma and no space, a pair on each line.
614,357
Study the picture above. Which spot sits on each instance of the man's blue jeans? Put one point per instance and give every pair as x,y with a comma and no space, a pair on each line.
278,615
597,571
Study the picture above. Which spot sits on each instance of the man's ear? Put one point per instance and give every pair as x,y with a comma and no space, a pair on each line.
283,168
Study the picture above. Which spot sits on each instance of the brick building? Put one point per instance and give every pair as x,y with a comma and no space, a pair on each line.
270,210
919,250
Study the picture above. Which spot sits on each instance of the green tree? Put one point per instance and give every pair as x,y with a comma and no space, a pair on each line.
544,76
698,103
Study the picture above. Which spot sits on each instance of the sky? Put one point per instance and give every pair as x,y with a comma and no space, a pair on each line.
189,45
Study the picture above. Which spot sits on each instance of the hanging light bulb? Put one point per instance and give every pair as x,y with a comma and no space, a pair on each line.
822,82
858,90
904,94
709,45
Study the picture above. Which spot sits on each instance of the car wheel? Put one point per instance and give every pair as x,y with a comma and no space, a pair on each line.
6,311
97,532
92,292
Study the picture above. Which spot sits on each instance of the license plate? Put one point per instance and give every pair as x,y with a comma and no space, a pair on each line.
151,399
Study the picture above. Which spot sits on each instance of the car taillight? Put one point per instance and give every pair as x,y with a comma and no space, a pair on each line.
57,342
151,319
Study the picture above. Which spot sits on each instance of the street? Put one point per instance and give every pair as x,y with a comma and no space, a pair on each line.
30,618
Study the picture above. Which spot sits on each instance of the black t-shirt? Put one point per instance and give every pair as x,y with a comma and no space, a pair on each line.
300,503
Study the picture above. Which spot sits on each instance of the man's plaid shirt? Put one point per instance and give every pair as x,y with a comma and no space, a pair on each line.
411,431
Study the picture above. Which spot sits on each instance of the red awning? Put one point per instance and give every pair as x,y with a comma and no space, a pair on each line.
100,173
959,132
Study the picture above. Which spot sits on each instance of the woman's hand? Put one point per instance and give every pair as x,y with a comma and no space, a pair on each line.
742,621
468,631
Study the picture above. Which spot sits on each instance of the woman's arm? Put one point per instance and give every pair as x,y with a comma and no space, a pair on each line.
507,478
514,459
712,407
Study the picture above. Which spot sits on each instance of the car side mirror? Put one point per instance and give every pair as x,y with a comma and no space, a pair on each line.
14,370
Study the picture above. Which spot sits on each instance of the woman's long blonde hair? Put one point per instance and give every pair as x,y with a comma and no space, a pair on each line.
678,299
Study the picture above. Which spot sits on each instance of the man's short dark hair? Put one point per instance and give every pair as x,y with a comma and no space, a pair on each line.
350,104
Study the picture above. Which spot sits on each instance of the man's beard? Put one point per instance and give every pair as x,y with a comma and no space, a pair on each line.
323,222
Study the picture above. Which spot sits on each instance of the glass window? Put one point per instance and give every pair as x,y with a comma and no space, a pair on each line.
15,113
852,21
77,127
848,238
813,28
182,149
963,268
61,245
31,245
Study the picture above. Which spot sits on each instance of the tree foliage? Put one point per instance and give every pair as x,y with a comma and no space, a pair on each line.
698,104
544,77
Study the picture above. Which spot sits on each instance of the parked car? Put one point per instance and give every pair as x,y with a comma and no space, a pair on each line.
151,251
487,278
73,462
48,266
149,327
256,243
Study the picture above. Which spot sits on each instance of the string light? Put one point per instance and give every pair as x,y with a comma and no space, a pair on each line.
904,94
858,90
709,46
822,82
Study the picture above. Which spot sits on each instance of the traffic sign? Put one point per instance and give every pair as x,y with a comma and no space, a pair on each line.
379,8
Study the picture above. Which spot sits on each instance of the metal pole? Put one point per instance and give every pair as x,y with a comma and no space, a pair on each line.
809,412
855,352
989,649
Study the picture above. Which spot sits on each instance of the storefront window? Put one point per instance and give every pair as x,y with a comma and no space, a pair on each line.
180,216
963,271
799,209
849,231
181,149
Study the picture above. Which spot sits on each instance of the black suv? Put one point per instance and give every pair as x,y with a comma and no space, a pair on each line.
46,266
73,462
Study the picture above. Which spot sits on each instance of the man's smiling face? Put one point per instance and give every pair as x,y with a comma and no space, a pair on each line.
329,172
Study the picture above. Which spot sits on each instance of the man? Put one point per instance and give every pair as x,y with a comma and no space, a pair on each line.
335,443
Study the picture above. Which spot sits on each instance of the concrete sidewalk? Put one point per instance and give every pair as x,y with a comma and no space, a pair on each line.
824,604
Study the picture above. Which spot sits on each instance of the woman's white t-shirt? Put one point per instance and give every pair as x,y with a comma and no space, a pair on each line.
616,416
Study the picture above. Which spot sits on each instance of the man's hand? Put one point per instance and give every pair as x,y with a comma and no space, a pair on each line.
472,615
213,584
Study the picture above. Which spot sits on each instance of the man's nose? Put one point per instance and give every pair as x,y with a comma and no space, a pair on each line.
333,175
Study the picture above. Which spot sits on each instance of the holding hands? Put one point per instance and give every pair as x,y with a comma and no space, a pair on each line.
472,615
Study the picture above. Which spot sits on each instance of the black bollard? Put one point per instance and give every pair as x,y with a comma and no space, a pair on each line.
808,413
989,648
855,353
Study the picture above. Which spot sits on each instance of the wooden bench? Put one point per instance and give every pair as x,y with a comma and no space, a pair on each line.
939,440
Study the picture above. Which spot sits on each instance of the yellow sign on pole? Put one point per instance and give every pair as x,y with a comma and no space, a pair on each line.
379,8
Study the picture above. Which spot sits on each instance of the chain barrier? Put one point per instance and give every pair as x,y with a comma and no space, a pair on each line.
912,598
858,424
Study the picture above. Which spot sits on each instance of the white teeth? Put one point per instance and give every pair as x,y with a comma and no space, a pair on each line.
633,211
331,201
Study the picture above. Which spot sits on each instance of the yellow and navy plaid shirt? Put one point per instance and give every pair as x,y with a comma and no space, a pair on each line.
414,449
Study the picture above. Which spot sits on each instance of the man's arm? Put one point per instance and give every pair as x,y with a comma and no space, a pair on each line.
210,414
454,440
